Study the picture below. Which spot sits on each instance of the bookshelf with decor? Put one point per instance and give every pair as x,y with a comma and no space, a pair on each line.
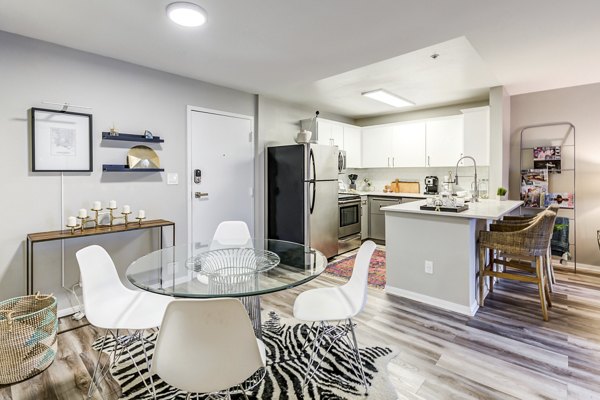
548,176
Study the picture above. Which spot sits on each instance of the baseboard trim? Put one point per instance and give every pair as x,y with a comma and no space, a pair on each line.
432,301
64,312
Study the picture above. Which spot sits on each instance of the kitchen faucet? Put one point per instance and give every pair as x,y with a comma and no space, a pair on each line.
476,187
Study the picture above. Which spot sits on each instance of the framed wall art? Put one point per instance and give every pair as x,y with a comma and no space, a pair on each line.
60,141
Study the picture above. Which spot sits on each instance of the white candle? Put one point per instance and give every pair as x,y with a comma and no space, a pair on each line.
112,204
71,221
97,205
126,209
141,214
82,213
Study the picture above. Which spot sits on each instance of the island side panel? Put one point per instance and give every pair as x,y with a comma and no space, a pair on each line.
450,243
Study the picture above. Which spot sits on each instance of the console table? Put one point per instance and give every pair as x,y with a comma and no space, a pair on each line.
33,238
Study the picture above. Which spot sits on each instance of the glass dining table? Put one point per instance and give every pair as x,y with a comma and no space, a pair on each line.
221,269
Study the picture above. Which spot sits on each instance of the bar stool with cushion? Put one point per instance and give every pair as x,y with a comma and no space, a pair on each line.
111,306
337,304
523,249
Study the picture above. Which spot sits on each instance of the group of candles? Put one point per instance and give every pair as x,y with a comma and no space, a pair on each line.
97,206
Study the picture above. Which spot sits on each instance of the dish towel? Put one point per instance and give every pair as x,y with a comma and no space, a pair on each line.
560,238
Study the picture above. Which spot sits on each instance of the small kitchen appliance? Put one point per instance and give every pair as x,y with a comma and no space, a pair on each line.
431,185
353,178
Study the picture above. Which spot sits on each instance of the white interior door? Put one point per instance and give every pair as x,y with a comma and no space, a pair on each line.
222,149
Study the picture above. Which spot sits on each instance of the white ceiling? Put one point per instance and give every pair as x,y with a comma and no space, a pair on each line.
287,49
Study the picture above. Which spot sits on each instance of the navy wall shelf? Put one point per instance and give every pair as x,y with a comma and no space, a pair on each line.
126,137
125,168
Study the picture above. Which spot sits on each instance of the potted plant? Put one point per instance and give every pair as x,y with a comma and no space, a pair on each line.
501,193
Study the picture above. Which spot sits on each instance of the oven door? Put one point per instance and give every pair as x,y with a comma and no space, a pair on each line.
350,213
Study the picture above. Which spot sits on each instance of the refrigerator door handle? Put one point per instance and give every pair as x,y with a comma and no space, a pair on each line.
314,169
314,195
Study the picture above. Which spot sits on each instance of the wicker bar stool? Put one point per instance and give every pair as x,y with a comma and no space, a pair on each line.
520,222
524,249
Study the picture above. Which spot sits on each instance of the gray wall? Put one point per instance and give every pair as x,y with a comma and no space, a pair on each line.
278,124
134,99
578,105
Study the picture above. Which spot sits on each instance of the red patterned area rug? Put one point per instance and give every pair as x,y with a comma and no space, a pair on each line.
343,268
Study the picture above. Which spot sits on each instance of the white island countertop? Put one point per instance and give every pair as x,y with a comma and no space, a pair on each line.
392,194
483,209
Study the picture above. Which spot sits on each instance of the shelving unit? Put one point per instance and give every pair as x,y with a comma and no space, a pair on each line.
554,134
126,137
125,168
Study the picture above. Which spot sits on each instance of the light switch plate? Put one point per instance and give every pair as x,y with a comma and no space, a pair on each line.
428,267
172,178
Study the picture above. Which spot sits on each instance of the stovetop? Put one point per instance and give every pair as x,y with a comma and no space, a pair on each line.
348,196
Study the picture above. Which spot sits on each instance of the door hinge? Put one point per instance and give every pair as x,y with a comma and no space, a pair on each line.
250,136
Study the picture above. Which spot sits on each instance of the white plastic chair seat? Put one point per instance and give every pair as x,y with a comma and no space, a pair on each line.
324,304
130,310
263,351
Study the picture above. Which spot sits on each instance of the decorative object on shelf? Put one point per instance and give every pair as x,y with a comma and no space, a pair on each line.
562,200
113,131
60,141
141,216
142,157
547,157
534,186
367,185
112,206
82,219
445,203
305,135
501,193
148,135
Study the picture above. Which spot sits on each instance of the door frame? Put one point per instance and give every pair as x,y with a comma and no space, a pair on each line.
188,173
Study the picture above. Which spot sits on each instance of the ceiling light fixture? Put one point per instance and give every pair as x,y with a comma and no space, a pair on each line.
186,14
388,98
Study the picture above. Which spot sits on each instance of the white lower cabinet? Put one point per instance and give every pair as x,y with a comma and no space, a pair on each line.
364,217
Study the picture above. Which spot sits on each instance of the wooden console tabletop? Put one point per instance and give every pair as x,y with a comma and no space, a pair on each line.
38,237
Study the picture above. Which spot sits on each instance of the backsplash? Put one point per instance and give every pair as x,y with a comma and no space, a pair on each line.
383,176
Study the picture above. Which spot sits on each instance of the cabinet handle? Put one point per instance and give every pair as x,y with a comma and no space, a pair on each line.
393,161
388,162
428,161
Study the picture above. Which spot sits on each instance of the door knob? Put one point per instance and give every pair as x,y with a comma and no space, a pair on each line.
199,195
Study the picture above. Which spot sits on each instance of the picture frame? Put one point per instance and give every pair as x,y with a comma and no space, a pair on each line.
61,141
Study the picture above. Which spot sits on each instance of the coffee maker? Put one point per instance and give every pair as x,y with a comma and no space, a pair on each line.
431,185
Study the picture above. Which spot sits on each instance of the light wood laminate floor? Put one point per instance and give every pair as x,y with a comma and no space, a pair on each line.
506,351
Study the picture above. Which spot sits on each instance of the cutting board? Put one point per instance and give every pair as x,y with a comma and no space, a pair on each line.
406,187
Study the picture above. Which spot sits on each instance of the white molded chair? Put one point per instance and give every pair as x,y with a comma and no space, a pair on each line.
336,304
110,305
207,346
232,233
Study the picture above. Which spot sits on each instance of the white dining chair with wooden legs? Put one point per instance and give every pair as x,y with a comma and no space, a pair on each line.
207,346
332,310
109,305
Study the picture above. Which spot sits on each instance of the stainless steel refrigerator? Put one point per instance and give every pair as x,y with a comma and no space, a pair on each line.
302,195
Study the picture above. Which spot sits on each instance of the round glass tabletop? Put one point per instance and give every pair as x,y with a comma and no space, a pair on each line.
221,269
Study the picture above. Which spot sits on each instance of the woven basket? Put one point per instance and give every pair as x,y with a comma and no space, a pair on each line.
28,327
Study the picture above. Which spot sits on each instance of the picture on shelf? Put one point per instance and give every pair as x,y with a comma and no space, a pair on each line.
563,200
546,153
534,186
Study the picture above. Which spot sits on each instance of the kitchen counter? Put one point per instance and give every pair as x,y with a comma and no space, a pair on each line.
382,194
483,209
432,256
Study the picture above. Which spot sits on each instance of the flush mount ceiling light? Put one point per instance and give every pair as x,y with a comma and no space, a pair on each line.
186,14
388,98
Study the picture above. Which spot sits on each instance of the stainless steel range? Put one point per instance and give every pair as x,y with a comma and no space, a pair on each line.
349,226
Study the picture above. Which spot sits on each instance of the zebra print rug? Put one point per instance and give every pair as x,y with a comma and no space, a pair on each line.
286,366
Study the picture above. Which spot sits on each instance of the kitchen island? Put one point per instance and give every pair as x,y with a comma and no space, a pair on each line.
432,256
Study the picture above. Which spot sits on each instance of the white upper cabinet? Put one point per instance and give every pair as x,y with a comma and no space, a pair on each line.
408,145
376,146
336,137
324,128
477,134
353,145
444,141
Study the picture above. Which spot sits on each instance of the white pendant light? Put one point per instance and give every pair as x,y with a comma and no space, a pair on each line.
388,98
186,14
